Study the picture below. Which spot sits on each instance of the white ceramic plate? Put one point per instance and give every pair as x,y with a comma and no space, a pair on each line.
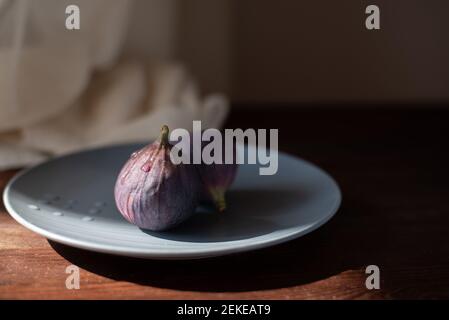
70,200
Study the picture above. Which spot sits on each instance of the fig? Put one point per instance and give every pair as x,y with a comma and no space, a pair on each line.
152,192
216,180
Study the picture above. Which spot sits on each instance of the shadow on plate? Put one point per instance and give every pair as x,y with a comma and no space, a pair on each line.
335,247
250,213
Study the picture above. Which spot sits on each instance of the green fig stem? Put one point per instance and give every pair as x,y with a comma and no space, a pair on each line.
219,200
163,138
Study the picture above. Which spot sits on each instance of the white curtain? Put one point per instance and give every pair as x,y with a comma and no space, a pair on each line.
62,90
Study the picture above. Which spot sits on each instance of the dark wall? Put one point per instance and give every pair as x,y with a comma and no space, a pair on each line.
301,51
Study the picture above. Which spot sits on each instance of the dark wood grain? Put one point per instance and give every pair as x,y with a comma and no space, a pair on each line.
392,167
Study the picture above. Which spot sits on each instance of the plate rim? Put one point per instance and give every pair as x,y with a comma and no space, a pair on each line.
163,255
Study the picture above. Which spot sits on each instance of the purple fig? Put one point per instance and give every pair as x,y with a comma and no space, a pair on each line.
152,192
216,180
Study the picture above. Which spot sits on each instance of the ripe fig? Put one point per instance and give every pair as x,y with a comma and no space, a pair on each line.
216,179
152,192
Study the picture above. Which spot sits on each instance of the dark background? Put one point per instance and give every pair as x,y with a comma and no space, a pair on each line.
314,51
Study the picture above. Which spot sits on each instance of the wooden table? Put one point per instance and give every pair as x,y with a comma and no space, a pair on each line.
392,165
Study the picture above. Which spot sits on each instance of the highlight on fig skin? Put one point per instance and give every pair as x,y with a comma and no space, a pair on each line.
152,192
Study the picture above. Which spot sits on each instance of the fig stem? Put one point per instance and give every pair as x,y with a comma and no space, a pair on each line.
163,138
219,200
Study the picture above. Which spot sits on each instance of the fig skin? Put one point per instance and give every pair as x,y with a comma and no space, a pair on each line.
152,192
216,179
